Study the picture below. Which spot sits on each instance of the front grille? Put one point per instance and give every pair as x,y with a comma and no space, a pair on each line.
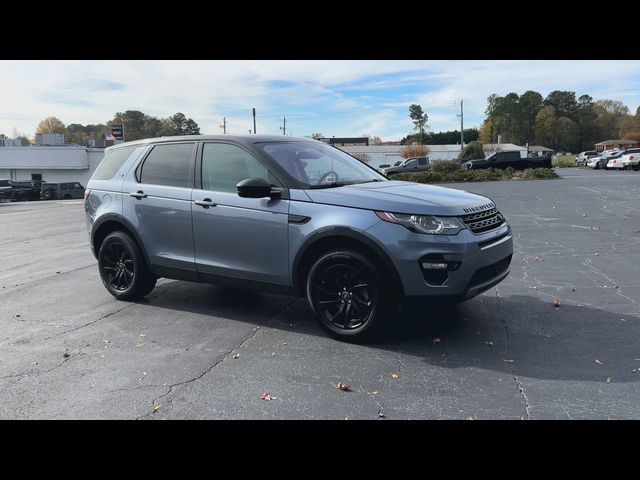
490,272
483,221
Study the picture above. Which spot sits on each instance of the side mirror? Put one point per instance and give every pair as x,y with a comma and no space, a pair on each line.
253,188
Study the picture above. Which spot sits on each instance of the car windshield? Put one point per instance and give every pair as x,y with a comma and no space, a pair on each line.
317,165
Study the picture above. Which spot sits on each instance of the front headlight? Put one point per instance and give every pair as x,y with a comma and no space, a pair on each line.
424,223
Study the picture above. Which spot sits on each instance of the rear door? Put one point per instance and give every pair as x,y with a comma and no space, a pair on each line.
242,238
423,163
157,200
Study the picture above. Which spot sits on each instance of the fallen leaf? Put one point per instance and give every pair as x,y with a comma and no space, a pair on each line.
623,319
18,316
342,386
534,287
66,354
156,408
92,385
489,343
375,392
107,341
584,214
284,343
143,335
573,289
436,340
266,396
507,360
273,354
599,362
471,418
608,379
347,418
556,303
395,376
539,259
634,370
236,356
596,254
381,415
140,345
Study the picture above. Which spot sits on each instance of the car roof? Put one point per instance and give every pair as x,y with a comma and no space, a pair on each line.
242,139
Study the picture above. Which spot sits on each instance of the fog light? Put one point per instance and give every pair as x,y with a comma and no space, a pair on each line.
434,265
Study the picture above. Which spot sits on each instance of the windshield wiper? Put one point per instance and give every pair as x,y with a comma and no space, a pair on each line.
373,180
328,185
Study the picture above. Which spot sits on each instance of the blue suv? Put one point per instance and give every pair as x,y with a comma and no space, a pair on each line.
289,215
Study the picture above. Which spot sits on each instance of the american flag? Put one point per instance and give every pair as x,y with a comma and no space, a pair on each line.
109,137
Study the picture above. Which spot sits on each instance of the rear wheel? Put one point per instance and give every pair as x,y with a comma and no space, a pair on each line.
47,195
123,269
347,294
67,196
635,167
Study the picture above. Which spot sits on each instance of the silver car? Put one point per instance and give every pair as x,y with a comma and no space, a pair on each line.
290,215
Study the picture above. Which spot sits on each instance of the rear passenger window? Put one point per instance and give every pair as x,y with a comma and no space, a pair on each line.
422,161
112,162
168,165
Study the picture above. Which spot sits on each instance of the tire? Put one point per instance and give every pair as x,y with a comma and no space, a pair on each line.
47,195
123,269
66,196
360,311
635,168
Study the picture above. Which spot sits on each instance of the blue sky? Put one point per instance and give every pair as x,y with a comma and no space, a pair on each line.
341,98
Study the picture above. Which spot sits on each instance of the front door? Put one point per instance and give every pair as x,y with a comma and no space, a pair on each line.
243,238
157,200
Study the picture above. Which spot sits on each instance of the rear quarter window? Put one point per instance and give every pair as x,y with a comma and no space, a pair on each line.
111,163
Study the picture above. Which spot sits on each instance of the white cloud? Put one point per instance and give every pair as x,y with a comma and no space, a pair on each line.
358,92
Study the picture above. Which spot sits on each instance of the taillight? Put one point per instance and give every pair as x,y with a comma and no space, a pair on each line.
631,157
87,191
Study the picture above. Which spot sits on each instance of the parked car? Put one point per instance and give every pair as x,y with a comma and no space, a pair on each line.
631,158
584,157
512,159
14,190
241,210
614,161
600,162
413,164
61,191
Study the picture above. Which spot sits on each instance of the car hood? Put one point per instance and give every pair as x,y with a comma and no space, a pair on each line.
401,197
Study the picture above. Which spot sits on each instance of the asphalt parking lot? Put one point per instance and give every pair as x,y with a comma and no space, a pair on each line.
192,351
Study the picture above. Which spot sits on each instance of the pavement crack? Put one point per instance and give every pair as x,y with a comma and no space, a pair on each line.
91,322
210,368
520,387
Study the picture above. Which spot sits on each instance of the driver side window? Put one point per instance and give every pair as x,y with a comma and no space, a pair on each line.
224,165
411,163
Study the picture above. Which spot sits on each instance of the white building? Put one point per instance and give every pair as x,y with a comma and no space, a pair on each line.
64,163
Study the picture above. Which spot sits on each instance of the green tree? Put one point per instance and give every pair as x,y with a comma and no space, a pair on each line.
179,124
472,151
152,126
419,119
51,125
530,104
564,103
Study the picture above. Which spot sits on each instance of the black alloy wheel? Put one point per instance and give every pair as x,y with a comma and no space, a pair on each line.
345,292
118,266
123,268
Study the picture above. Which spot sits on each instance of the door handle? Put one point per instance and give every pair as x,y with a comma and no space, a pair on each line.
139,194
206,203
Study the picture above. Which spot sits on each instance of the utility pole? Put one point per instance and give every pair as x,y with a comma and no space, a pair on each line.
224,125
254,121
284,125
461,125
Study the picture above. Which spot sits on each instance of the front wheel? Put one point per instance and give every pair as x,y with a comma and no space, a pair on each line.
123,269
347,294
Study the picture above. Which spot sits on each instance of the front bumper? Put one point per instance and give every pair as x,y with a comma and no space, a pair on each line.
478,262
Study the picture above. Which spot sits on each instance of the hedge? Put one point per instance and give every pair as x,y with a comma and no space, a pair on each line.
447,175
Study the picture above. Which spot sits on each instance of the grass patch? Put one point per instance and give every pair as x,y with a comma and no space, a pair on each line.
482,175
565,161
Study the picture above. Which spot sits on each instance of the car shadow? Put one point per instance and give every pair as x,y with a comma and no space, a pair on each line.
516,334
